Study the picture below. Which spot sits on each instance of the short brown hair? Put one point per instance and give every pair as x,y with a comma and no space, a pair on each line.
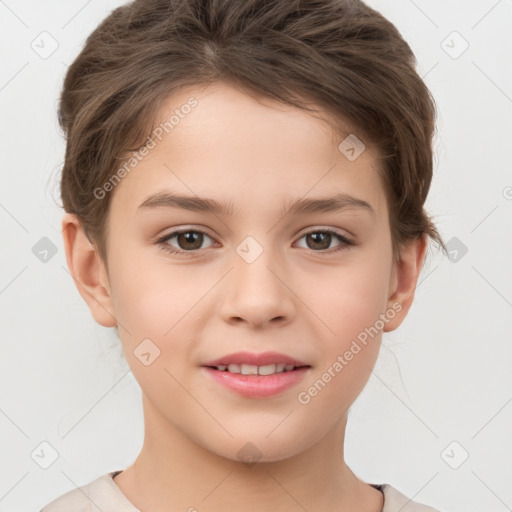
338,54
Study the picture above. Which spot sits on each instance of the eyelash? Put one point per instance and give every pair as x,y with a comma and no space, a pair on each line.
346,243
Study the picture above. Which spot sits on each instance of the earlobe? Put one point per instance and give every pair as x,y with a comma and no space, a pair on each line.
404,280
88,271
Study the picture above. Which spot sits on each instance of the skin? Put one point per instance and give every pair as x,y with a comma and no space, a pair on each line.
256,155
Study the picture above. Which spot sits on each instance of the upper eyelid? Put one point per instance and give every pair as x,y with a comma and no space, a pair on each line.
178,231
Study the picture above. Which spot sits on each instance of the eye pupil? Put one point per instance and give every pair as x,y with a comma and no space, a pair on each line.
190,237
319,240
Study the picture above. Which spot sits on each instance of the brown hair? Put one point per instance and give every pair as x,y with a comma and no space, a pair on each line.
340,55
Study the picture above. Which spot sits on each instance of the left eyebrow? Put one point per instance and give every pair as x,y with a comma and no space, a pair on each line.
335,203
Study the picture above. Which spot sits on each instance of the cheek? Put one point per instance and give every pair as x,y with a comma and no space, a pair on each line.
160,303
351,298
150,296
156,309
350,304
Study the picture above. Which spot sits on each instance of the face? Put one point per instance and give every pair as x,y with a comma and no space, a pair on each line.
315,284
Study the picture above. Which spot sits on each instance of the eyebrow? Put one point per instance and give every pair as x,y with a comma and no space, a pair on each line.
335,203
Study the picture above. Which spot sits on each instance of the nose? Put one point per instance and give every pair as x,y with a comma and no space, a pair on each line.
258,293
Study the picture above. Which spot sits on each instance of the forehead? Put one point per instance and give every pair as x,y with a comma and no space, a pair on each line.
216,141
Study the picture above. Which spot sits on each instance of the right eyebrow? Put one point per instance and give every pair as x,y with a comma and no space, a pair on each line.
191,203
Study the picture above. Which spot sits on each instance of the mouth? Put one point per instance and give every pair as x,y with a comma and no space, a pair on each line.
253,381
256,375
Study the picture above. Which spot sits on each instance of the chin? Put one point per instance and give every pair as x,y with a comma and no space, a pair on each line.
258,449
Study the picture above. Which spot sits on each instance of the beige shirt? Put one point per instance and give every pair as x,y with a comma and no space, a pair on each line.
103,495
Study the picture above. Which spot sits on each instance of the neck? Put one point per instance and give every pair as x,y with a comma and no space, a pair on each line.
172,472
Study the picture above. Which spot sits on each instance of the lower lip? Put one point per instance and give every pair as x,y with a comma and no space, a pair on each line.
255,386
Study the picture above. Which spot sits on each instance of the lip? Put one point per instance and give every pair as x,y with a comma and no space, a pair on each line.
257,386
261,359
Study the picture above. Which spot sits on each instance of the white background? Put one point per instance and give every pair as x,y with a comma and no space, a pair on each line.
443,376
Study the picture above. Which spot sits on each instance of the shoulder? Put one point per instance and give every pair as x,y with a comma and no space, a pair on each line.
100,495
395,501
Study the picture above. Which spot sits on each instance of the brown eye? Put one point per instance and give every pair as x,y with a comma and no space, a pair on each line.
187,240
190,240
321,240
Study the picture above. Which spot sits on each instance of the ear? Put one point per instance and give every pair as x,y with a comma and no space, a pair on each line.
88,271
404,279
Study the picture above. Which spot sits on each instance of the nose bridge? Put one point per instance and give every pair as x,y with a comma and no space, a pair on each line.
253,264
256,292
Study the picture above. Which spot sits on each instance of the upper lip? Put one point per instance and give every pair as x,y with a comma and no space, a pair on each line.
261,359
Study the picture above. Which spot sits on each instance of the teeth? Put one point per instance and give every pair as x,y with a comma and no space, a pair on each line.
269,369
251,369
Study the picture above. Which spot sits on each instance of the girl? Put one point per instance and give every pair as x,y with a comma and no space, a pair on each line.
244,185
